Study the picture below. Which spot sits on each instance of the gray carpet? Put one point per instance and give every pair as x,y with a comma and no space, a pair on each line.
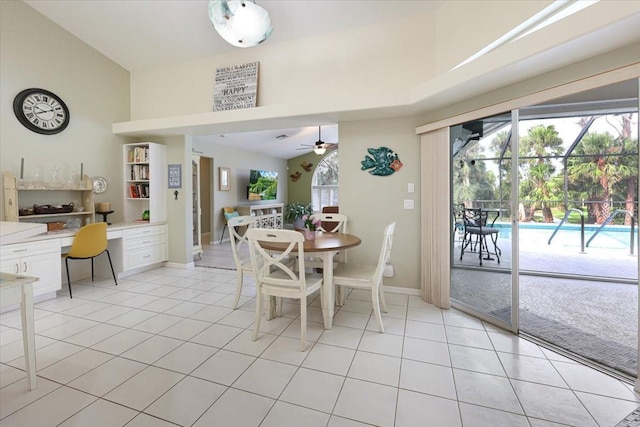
608,353
632,420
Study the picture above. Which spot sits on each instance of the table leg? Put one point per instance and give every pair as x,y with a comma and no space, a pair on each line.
28,334
327,288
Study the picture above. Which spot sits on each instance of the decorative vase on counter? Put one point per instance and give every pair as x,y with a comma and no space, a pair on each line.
309,234
146,215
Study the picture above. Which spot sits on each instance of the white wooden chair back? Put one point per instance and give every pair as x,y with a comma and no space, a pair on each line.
275,271
364,276
339,219
239,242
276,276
385,254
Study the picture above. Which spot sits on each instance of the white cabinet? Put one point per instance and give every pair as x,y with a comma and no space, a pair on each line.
37,259
144,246
145,181
268,215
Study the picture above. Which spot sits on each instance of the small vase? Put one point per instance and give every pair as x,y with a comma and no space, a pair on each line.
310,234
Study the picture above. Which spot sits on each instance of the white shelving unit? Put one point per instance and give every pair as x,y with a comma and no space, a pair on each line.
268,215
145,181
20,196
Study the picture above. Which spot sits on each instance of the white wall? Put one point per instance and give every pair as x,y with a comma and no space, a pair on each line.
35,52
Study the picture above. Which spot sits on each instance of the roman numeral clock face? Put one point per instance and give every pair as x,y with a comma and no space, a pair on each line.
41,111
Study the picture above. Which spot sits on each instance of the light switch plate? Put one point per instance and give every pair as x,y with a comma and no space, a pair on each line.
409,204
411,187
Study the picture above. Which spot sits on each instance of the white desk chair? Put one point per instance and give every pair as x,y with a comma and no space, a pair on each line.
275,278
368,276
240,250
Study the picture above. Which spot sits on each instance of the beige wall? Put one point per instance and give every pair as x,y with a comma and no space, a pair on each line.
34,52
371,202
300,191
337,71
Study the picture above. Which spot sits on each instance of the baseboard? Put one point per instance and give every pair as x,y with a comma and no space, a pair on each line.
134,271
178,265
401,290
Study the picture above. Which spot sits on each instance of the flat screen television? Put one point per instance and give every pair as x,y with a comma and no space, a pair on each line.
263,185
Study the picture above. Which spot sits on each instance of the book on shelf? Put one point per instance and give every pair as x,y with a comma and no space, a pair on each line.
138,155
139,172
139,191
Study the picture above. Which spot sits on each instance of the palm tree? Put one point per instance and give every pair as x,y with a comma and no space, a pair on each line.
601,167
536,148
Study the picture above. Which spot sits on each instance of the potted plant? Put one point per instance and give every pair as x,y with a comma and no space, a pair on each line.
294,211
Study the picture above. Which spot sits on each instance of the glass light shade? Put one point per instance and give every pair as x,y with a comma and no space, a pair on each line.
319,151
241,23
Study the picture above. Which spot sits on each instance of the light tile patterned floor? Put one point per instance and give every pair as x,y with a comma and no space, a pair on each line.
164,348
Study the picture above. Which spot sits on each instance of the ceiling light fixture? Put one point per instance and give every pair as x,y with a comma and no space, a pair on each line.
241,23
319,151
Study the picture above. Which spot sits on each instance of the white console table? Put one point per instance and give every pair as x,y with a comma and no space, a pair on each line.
268,215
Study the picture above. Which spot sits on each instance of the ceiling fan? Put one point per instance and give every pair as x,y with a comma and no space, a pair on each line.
319,147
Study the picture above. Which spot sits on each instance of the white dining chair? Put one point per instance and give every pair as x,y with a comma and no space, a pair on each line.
362,276
240,249
275,276
334,223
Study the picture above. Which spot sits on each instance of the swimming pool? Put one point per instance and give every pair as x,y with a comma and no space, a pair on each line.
611,236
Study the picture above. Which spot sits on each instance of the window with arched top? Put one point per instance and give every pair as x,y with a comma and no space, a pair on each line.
324,184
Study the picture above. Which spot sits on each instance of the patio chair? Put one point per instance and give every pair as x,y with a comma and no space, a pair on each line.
475,235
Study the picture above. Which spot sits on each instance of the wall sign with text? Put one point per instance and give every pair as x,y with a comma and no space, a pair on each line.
175,176
236,87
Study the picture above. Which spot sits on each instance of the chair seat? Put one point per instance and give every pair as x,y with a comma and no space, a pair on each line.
313,282
483,231
353,273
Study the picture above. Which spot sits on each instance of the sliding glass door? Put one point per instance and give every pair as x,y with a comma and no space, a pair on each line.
481,226
544,223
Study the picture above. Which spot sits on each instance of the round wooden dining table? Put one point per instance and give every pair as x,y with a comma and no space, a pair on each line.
325,246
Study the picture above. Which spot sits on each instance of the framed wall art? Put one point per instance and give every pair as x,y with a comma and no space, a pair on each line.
224,176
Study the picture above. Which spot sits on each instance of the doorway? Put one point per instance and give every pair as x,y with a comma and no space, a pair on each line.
206,198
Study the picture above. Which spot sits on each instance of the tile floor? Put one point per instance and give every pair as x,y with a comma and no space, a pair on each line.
164,348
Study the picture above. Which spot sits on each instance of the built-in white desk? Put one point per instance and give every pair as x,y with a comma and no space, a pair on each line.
134,247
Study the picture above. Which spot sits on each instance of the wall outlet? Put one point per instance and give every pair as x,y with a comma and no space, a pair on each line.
411,187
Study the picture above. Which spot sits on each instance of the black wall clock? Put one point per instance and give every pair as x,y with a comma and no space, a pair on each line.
41,111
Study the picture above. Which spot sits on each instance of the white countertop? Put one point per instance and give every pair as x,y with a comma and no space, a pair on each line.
12,232
68,233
